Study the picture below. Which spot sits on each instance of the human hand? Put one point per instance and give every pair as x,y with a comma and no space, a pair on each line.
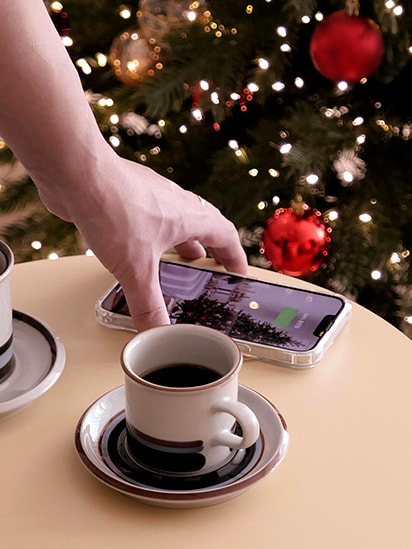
130,216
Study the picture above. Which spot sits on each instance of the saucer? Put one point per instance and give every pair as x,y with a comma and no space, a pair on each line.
99,442
39,359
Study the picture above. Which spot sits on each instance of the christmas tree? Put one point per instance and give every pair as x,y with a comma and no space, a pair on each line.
292,116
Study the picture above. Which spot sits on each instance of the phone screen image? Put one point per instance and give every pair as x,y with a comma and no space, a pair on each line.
245,309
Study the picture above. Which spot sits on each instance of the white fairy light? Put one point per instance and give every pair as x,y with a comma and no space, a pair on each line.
197,114
53,256
299,83
114,141
285,148
252,87
319,16
262,205
361,139
36,245
389,4
347,177
234,96
263,63
101,59
275,200
204,85
214,97
253,172
285,48
67,41
376,275
333,215
282,31
397,10
161,123
273,173
312,179
358,121
365,218
395,258
305,19
84,66
125,12
114,119
408,319
89,252
233,144
278,86
191,16
342,86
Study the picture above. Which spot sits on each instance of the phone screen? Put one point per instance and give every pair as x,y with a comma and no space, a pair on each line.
245,309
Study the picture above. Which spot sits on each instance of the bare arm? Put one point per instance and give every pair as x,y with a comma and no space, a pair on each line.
128,214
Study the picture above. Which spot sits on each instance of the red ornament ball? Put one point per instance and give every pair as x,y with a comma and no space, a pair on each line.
346,47
296,243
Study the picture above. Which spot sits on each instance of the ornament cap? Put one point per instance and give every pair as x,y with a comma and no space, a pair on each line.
298,205
352,7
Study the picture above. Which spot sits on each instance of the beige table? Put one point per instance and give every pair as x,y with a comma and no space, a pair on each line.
346,481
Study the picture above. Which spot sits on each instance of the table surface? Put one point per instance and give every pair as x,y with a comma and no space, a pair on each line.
346,481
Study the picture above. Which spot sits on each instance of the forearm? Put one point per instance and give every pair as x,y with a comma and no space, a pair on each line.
44,117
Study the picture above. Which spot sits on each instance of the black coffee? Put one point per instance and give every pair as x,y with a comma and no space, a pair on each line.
181,375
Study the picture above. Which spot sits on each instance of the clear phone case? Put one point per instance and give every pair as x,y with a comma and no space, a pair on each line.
252,288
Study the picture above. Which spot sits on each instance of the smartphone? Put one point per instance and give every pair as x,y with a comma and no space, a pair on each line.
271,322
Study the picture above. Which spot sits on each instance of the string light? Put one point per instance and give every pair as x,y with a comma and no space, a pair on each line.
101,59
36,245
114,141
312,179
358,121
365,218
376,275
333,215
263,63
53,256
125,12
342,86
285,148
278,86
84,66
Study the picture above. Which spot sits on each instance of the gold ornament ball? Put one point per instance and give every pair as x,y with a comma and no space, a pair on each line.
132,57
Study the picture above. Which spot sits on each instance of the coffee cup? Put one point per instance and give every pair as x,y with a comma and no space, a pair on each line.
6,313
183,416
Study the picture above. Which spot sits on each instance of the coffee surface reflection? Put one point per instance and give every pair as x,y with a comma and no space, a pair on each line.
182,375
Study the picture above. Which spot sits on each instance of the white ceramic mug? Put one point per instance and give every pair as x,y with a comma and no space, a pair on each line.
6,313
182,409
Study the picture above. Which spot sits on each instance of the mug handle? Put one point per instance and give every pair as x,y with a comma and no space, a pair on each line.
247,421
